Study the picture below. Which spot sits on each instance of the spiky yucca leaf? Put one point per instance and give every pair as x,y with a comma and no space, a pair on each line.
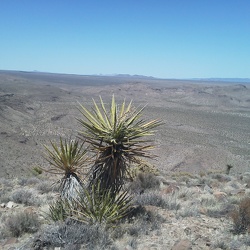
100,206
68,158
117,136
116,125
59,210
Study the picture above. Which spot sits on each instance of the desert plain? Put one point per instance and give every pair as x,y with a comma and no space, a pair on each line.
206,124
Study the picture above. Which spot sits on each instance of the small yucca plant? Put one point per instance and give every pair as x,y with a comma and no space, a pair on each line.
97,206
69,158
116,135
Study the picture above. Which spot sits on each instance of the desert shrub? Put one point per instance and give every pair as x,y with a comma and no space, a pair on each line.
208,200
241,216
44,187
155,199
184,193
150,198
141,167
189,211
217,210
25,197
6,183
29,181
71,233
144,181
22,222
4,196
140,222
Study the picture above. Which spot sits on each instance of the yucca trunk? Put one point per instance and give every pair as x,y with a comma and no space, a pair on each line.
110,168
70,187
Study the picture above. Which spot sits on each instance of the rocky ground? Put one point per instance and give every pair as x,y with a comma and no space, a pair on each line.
182,212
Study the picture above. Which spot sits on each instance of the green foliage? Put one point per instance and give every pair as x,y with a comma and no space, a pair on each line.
90,207
36,170
68,158
116,137
98,206
59,210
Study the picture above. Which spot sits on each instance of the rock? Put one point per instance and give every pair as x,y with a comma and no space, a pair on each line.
182,245
10,204
2,205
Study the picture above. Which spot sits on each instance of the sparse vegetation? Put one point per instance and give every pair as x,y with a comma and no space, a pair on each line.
21,223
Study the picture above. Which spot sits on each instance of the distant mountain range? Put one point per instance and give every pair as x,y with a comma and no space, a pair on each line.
241,80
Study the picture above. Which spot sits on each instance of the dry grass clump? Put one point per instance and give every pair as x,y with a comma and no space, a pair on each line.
22,222
241,216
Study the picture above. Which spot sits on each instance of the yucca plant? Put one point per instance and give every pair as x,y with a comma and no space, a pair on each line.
116,135
59,210
69,159
97,206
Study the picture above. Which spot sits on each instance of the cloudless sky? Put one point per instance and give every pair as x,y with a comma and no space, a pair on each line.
161,38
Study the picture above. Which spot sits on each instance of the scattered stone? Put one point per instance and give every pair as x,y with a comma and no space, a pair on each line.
182,245
2,205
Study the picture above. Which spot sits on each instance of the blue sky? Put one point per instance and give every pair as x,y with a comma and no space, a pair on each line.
167,39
